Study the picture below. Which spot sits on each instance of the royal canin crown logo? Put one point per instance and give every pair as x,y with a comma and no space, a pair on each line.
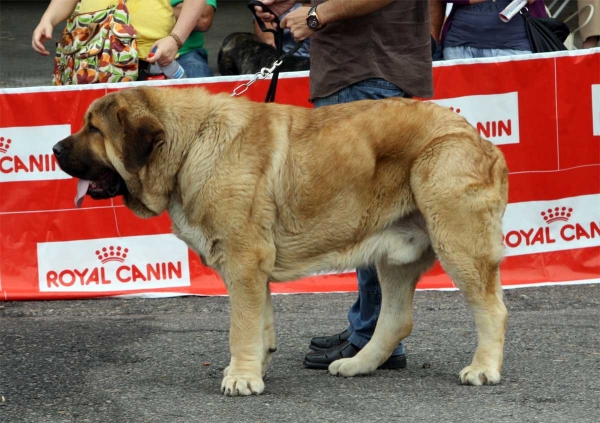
559,228
113,264
15,163
4,144
556,214
112,254
115,269
26,153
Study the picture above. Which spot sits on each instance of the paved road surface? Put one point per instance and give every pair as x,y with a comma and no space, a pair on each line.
143,361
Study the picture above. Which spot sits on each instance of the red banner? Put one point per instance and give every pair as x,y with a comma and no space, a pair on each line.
542,110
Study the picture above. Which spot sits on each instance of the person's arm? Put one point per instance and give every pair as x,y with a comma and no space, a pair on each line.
437,14
339,10
279,7
57,11
167,47
328,12
265,37
206,19
268,37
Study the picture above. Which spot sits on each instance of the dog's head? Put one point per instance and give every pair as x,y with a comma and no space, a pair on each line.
120,136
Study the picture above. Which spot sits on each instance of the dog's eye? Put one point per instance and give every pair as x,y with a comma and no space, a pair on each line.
92,129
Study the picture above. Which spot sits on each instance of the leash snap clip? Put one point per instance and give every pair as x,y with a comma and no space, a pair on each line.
265,72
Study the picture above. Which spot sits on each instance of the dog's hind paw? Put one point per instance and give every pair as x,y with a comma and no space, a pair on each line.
479,375
348,367
240,385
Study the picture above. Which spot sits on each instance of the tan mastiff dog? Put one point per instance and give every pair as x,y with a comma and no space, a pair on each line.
269,193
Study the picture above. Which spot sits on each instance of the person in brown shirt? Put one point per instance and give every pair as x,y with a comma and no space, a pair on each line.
361,49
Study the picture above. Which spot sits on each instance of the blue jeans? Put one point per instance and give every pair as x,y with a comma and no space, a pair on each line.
364,312
195,64
466,52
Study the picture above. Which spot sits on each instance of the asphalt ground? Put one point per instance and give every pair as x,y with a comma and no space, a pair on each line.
160,360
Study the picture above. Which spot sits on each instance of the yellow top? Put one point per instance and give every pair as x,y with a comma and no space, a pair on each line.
152,19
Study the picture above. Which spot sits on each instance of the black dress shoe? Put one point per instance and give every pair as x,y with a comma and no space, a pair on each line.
322,343
322,359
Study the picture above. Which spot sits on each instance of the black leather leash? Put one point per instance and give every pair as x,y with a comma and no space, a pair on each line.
278,35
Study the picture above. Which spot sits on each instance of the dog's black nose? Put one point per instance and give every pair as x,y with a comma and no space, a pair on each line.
58,149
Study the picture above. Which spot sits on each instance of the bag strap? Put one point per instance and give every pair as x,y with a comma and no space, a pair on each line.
77,7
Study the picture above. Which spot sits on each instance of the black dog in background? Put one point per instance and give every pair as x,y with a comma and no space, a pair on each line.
243,53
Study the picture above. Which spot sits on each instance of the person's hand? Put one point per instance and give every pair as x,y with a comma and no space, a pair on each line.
278,7
531,1
295,21
265,37
42,33
164,51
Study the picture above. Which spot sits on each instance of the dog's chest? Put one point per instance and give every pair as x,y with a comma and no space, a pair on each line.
192,235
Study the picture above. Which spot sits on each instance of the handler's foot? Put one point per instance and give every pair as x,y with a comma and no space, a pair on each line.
322,343
322,359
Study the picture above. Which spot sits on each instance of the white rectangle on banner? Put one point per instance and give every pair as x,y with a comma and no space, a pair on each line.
544,226
596,109
113,264
26,153
496,116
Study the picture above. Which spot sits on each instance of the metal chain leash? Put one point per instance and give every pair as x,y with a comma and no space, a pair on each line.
272,71
263,74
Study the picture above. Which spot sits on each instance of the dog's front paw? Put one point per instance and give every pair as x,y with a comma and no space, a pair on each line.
234,385
348,367
267,359
479,375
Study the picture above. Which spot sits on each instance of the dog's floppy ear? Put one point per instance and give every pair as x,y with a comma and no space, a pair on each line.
142,133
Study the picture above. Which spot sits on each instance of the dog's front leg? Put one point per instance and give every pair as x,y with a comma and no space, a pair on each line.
269,345
247,287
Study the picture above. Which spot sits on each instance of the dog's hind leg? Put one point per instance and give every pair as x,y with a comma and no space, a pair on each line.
477,276
462,193
395,321
269,343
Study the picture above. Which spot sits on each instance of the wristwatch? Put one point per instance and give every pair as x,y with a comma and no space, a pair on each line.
312,20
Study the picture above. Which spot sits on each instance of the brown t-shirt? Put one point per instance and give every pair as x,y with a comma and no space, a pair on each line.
392,43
